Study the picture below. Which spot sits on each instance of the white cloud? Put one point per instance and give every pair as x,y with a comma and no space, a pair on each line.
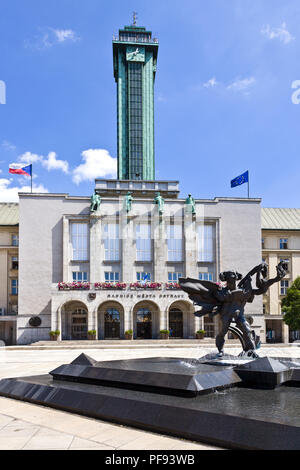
242,84
280,33
9,193
63,35
211,83
49,37
29,158
97,164
51,163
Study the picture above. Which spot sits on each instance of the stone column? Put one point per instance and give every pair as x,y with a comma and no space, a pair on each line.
285,333
160,255
95,247
274,289
191,257
128,246
66,255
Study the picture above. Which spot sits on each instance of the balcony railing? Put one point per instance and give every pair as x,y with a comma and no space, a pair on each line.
135,39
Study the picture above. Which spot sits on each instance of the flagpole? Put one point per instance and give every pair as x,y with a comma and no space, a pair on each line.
31,177
248,186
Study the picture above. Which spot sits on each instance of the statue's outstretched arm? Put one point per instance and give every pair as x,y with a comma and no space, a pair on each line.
263,285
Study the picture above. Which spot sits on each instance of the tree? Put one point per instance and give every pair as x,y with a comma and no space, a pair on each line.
291,306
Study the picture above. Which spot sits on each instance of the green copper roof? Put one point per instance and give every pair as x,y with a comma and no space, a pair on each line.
9,213
280,219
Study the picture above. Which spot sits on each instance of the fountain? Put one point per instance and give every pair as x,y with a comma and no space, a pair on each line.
239,402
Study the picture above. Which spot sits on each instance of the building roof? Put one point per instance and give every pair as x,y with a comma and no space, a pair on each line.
280,219
9,213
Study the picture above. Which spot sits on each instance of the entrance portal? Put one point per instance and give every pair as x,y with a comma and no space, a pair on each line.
74,321
176,323
111,324
144,324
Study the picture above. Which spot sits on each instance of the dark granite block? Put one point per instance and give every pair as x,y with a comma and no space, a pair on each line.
264,372
159,375
235,418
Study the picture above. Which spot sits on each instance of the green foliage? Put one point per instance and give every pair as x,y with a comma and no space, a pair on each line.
128,332
291,306
200,332
165,332
54,333
92,332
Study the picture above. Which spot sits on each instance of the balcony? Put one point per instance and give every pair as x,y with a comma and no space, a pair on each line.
135,39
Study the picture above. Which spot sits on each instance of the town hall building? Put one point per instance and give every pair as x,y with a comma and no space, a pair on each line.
111,263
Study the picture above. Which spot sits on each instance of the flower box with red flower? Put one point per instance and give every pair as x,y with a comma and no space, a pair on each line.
146,285
172,285
73,286
110,285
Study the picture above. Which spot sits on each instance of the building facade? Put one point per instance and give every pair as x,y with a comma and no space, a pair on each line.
280,241
9,263
114,266
116,269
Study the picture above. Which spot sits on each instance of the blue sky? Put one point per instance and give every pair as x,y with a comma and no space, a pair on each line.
222,94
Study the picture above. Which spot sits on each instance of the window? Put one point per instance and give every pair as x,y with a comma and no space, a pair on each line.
205,243
14,262
15,240
111,242
79,236
283,243
112,276
80,276
173,277
14,287
142,276
174,233
135,92
143,242
284,285
205,276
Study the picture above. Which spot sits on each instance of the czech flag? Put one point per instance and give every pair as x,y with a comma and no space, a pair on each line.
16,169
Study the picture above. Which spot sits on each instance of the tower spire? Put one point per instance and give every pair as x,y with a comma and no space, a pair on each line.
134,16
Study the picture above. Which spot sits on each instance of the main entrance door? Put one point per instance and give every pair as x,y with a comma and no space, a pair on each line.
79,324
144,324
112,324
176,323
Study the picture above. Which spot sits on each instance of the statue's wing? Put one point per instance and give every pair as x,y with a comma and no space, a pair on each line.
199,291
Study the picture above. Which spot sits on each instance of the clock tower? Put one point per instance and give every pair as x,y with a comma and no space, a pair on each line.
135,57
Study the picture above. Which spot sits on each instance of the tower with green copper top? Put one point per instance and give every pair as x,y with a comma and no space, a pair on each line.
135,58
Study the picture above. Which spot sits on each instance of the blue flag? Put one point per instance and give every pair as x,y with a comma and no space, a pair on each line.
244,178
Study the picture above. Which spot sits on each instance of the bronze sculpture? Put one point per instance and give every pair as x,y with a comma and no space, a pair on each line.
160,202
95,202
128,201
229,301
190,204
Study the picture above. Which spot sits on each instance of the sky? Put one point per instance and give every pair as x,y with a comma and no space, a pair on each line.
224,96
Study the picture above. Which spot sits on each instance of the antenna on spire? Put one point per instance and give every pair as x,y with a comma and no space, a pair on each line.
134,18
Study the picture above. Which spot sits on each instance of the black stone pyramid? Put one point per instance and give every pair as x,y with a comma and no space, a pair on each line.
84,360
263,364
264,372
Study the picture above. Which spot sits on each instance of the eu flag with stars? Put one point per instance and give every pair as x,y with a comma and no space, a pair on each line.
241,179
